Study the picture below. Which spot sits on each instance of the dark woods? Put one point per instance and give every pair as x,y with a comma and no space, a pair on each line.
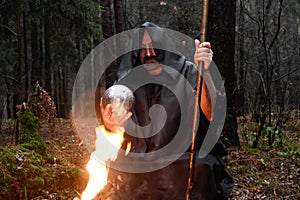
254,43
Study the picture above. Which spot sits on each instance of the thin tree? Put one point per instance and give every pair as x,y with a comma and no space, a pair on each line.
118,8
221,33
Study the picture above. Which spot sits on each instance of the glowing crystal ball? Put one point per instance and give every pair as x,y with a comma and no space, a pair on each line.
121,99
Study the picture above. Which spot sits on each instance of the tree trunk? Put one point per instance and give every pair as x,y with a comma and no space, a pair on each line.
26,67
118,8
62,111
107,26
41,52
48,68
36,71
241,67
20,57
183,25
221,33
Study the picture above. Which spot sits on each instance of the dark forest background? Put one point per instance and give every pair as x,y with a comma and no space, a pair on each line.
255,43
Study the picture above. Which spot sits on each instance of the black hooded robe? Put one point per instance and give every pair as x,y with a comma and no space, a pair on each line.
212,180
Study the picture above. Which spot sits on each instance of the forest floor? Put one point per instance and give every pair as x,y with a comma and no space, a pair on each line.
258,173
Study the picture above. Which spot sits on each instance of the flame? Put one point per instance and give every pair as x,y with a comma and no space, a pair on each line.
109,151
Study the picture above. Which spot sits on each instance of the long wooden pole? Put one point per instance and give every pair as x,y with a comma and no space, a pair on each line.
199,83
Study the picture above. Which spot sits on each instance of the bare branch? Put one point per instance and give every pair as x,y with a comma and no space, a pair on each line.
278,24
12,78
290,72
262,80
16,34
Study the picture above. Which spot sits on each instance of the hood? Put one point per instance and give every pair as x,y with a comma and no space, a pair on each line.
160,42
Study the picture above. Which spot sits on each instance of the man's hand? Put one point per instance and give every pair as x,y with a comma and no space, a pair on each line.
203,53
109,121
208,96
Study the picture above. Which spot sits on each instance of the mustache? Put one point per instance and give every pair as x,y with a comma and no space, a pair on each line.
149,58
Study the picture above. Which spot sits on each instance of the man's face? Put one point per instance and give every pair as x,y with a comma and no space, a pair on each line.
148,56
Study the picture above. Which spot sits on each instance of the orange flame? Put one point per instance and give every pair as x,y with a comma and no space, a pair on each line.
98,171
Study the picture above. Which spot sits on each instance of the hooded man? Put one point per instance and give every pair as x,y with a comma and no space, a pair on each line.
163,82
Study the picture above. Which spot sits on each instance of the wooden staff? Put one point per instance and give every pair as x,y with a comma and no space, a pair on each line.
199,83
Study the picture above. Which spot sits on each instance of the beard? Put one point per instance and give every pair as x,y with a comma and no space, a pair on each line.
151,66
150,62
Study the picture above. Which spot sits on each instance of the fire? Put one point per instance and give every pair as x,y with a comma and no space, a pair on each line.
107,145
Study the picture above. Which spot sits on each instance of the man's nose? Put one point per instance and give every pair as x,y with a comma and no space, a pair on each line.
149,51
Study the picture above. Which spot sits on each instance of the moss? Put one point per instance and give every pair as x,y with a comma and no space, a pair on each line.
6,183
29,134
252,150
7,158
73,172
9,169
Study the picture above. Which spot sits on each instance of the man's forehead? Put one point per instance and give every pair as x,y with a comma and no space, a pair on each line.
146,38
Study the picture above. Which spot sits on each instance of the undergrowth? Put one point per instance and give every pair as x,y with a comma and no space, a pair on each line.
29,168
267,171
286,140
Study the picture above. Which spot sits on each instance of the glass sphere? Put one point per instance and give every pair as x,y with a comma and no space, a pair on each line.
121,99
